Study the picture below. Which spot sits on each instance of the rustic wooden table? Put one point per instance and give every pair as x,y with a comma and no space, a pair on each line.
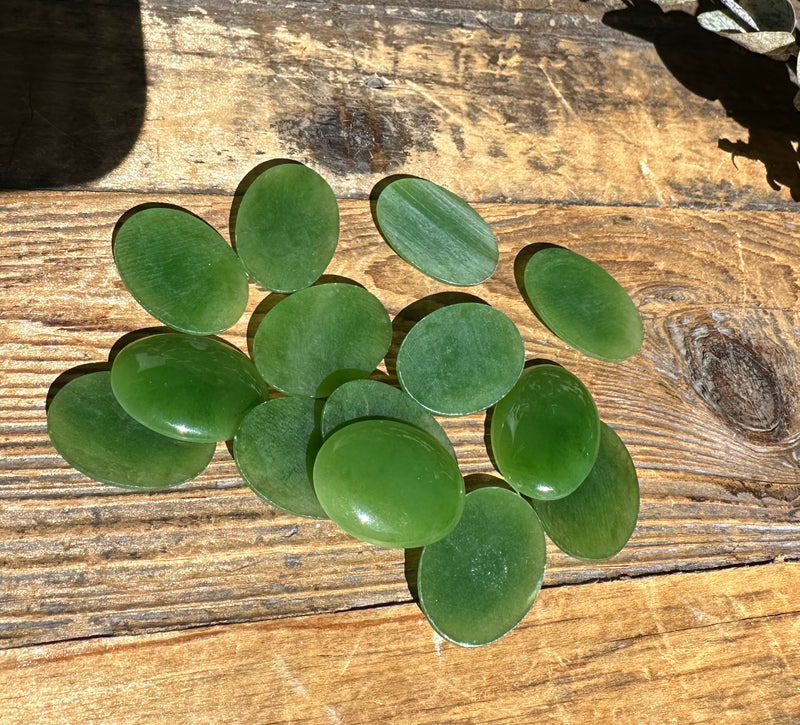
666,155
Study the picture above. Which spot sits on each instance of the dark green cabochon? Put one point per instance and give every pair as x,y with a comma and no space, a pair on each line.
479,581
372,399
320,337
436,231
287,227
274,450
185,387
94,434
181,270
461,359
545,433
597,519
389,483
583,304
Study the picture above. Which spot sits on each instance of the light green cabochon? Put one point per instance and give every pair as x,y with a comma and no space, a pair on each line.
181,270
274,450
92,432
389,483
597,519
287,227
185,387
461,359
320,337
583,304
545,433
436,231
478,582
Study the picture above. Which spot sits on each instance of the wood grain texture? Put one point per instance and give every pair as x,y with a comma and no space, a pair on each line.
708,409
713,647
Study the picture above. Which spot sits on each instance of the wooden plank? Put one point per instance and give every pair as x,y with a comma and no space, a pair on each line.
524,101
714,647
719,469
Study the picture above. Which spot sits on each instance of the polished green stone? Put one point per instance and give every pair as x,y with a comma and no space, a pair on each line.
94,434
545,433
274,450
359,399
583,304
181,270
461,359
389,483
287,227
320,337
478,582
186,387
436,231
596,520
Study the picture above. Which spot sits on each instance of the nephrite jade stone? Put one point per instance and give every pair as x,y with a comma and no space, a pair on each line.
274,450
597,519
360,399
94,434
287,227
461,359
389,483
479,581
181,270
185,387
545,433
583,304
320,337
436,231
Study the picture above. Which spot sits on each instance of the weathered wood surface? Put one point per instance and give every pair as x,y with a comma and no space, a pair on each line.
708,408
712,647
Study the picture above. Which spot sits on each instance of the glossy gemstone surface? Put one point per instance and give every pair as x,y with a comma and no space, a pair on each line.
389,483
287,227
320,337
479,581
181,270
186,387
583,304
545,433
94,434
274,450
436,231
461,359
597,519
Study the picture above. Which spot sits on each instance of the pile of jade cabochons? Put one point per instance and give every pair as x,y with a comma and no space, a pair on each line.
314,435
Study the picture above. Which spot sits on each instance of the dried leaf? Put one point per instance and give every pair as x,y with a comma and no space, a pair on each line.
720,22
778,46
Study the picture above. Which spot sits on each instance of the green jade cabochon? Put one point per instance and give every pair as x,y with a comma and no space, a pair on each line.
436,231
181,270
185,387
94,434
545,433
287,227
389,483
479,581
320,337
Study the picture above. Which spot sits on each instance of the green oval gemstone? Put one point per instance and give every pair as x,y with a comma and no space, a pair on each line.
597,519
545,433
437,232
181,270
478,582
287,227
94,434
320,337
185,387
359,399
461,359
274,450
583,304
389,483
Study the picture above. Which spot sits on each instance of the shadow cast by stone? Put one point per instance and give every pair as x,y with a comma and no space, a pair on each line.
69,375
411,570
521,262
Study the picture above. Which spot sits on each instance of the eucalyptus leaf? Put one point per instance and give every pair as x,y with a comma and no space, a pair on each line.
721,22
778,45
764,15
737,11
